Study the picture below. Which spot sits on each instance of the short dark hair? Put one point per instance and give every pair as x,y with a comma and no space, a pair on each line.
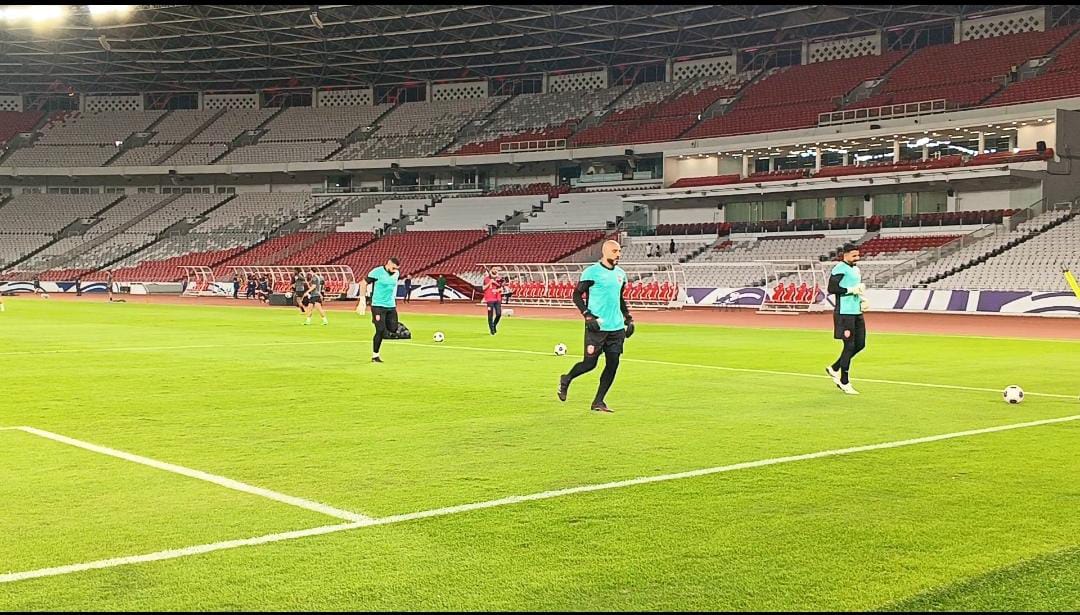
849,247
395,260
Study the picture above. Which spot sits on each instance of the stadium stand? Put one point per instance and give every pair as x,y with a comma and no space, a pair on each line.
419,250
517,248
256,212
463,213
14,122
793,97
330,248
804,247
387,211
577,211
964,73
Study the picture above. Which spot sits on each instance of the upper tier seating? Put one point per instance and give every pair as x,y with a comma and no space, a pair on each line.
794,97
1060,79
710,180
532,116
263,253
105,128
14,122
963,74
232,124
178,125
265,152
61,156
320,123
14,246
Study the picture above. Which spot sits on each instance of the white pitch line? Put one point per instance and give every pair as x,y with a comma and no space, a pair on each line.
516,351
221,481
173,553
517,499
748,370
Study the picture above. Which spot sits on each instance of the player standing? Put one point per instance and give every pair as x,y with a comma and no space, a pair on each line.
599,297
384,282
315,296
493,293
845,284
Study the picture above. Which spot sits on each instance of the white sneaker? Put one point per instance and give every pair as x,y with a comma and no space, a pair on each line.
325,322
847,388
835,375
307,322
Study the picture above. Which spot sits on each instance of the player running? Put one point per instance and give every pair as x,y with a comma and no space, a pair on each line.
493,297
300,286
314,298
845,284
607,322
384,316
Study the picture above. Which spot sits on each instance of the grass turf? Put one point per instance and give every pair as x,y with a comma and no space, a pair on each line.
981,522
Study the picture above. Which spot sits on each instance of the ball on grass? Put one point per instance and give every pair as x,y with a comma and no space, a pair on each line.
438,337
1013,394
560,350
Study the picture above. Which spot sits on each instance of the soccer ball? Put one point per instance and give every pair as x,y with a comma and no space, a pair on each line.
560,350
438,337
44,295
1013,394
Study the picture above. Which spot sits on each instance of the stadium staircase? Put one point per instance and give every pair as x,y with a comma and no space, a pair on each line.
471,129
187,140
243,138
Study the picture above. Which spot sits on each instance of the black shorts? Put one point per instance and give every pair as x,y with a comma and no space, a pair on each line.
315,298
597,342
385,317
845,326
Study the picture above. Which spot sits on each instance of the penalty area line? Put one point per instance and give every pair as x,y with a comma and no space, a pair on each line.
506,501
221,481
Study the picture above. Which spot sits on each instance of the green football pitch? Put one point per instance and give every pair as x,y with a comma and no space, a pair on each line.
188,457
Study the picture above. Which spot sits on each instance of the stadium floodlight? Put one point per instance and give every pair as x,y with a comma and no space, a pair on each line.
107,10
36,14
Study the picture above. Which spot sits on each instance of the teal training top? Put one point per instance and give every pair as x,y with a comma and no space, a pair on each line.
384,294
850,305
605,295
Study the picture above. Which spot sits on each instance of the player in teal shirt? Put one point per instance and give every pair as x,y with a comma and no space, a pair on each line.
599,297
845,284
384,282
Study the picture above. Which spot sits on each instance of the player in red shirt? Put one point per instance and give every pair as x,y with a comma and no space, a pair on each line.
493,291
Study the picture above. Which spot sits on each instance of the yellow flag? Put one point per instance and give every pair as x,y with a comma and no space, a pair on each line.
1071,279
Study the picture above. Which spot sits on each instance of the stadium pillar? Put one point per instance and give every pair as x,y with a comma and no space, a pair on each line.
1012,142
896,150
746,158
958,30
669,70
950,201
982,142
817,159
868,206
772,163
847,158
925,153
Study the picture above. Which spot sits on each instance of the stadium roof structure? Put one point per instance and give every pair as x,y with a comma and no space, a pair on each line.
247,47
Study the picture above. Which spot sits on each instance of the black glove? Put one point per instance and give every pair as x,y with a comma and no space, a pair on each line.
629,328
591,323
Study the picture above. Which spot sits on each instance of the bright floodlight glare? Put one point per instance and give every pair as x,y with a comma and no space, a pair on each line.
44,12
100,10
